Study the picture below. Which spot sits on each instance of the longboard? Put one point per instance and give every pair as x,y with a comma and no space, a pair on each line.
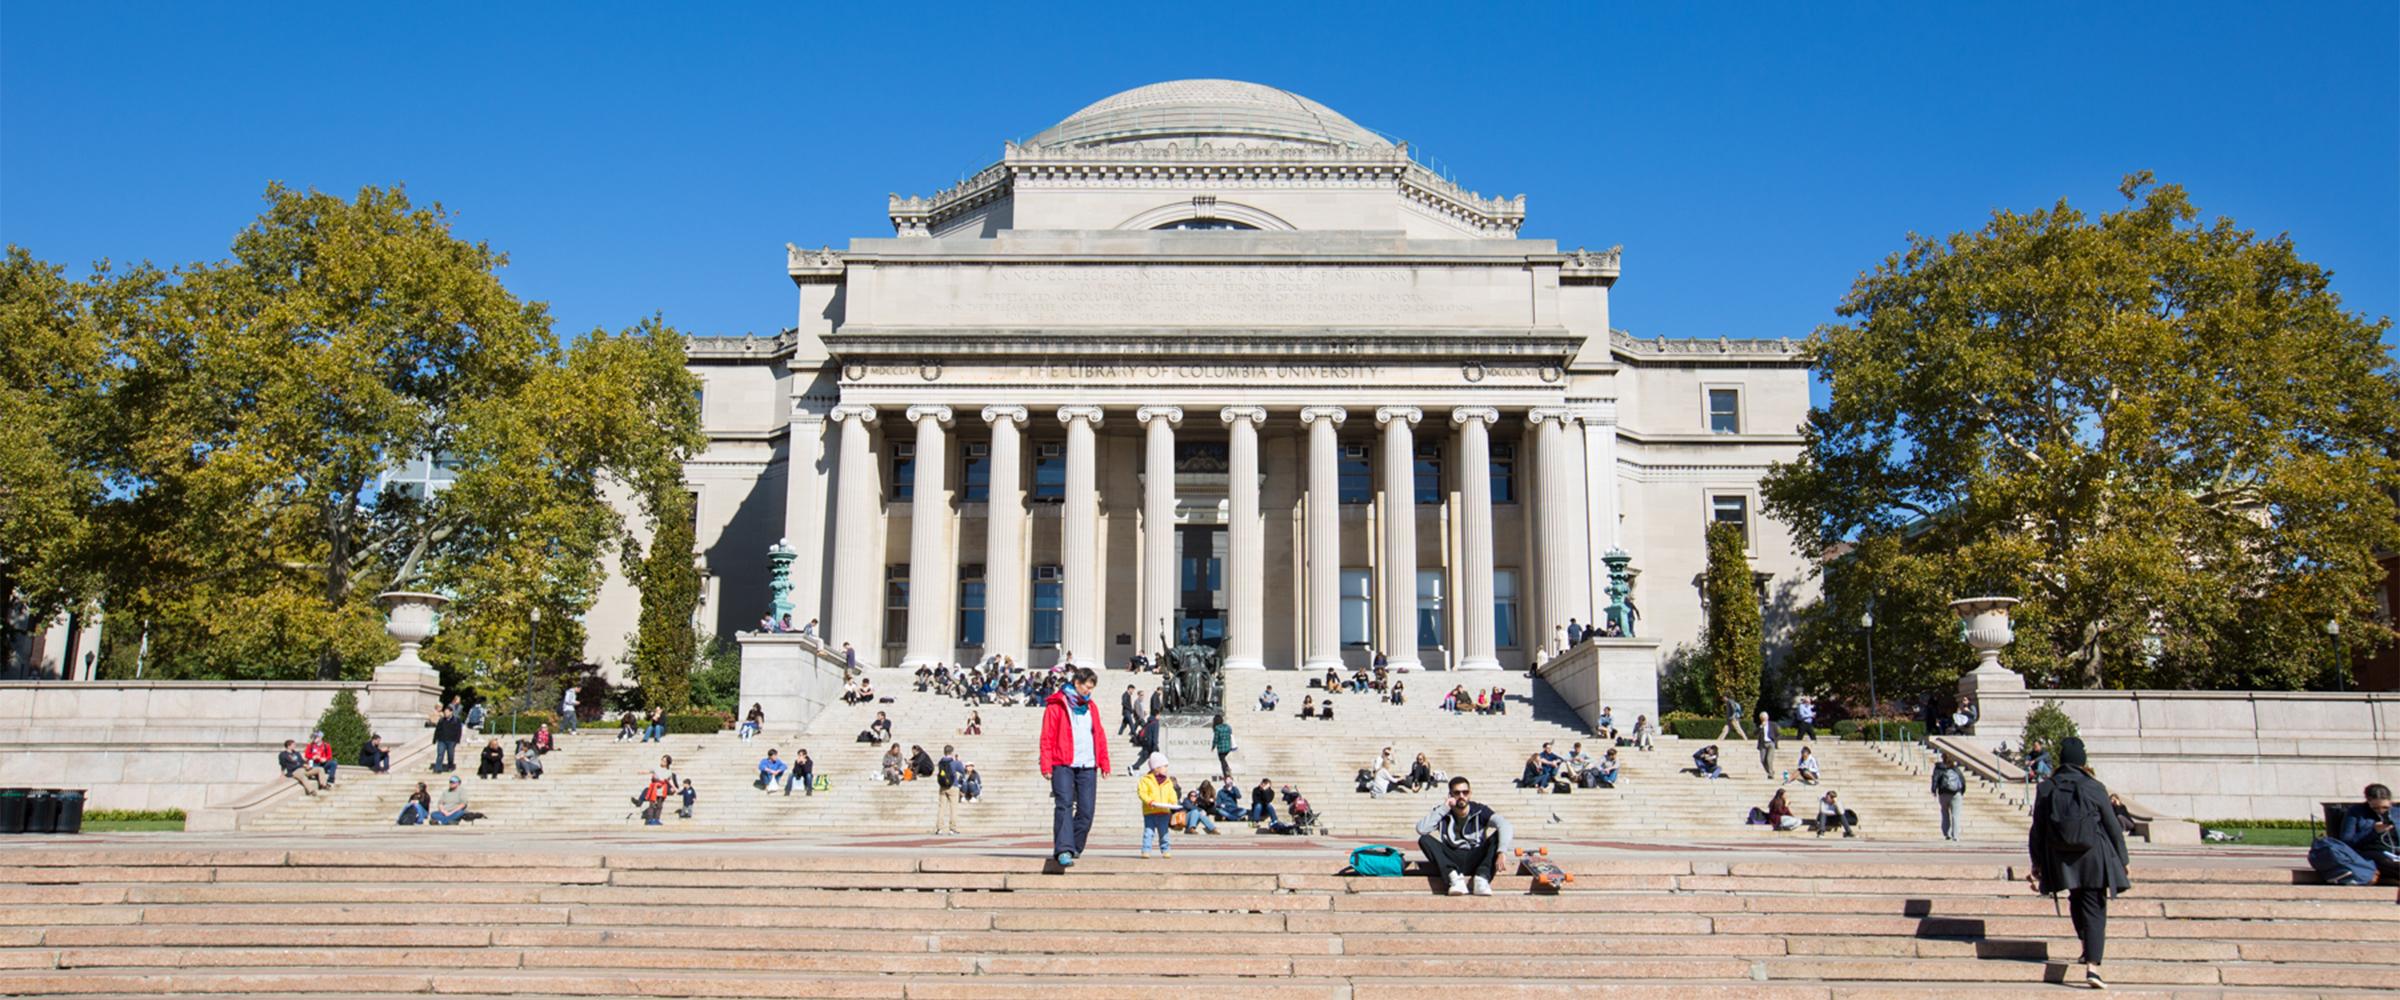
1547,875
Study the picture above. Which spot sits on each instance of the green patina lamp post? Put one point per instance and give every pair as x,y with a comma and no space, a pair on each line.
779,576
1620,591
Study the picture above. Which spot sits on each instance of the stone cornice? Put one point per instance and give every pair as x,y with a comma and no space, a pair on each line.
747,347
806,266
1477,344
1586,267
1704,351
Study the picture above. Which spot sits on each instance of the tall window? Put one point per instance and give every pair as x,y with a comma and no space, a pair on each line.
1733,510
1429,608
970,605
1504,608
1049,472
1357,620
975,481
904,471
1504,472
895,602
1049,597
1354,479
1429,472
1725,411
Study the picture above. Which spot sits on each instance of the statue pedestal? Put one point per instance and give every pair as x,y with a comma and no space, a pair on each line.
2001,704
1189,742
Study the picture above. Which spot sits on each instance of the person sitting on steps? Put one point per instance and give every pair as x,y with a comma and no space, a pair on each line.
1641,733
495,760
374,756
878,731
771,772
1705,762
1605,772
1267,699
453,805
1805,768
296,767
1830,812
1420,775
1325,711
1262,802
803,773
1308,706
1464,840
320,755
529,763
895,767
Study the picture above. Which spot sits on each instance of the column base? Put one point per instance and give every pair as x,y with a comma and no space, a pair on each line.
1319,664
913,662
1481,664
1412,664
1245,665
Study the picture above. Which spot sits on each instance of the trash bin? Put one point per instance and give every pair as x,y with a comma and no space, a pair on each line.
70,810
12,809
41,811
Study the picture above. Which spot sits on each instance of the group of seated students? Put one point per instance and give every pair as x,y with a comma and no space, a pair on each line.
1378,681
1384,775
527,759
311,767
648,728
1492,701
774,771
1546,771
769,623
860,690
449,810
995,680
1830,813
1311,709
1641,738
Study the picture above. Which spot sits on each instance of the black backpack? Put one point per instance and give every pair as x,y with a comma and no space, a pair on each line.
2076,819
942,775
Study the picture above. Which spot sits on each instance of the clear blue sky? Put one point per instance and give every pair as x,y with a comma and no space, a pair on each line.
1752,158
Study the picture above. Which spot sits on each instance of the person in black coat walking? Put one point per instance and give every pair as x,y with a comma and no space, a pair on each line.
1146,738
447,731
2078,848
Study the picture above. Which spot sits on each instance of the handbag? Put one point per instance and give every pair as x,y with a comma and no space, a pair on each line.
1175,820
1377,860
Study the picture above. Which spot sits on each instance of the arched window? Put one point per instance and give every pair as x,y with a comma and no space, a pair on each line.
1206,224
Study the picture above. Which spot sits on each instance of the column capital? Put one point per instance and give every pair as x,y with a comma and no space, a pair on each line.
1387,414
1333,414
860,412
1540,414
995,413
1256,415
939,413
1462,414
1069,414
1173,415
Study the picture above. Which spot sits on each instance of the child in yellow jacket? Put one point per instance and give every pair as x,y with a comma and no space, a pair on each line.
1160,801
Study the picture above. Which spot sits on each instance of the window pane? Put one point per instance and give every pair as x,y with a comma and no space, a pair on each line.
895,603
1429,608
1355,608
1733,510
1429,474
975,482
1725,411
1504,473
1048,598
904,472
1504,608
1355,478
1050,472
970,612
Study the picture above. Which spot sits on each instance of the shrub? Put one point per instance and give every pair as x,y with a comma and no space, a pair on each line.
717,684
698,722
344,726
133,815
2049,724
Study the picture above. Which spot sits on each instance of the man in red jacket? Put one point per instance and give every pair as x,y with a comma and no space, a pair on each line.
1074,756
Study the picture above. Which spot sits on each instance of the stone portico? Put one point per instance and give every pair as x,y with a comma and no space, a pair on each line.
1208,356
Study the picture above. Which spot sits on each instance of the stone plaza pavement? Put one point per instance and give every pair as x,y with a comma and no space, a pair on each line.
658,912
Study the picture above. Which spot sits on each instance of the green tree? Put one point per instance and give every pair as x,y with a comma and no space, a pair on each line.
1736,641
54,378
2048,724
667,647
259,403
2167,437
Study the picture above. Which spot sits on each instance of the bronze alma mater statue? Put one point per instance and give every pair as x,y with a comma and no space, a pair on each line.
1195,684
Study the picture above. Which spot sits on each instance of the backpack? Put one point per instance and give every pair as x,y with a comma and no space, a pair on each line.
2075,819
942,775
1377,860
1952,782
1366,779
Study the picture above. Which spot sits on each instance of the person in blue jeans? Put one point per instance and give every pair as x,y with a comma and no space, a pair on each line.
2365,846
453,805
1074,757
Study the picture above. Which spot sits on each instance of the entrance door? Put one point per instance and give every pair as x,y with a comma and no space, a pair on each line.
1201,554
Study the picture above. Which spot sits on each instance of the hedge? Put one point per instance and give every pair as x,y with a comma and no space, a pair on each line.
1894,730
133,815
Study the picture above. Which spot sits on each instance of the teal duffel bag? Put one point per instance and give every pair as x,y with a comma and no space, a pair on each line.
1378,860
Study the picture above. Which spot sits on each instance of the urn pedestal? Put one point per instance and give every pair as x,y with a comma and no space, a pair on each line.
406,690
1997,692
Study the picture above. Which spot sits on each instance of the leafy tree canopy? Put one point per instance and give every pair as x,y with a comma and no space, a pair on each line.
250,411
2166,436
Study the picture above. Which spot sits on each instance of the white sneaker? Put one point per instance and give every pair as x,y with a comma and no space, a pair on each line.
1458,884
1483,886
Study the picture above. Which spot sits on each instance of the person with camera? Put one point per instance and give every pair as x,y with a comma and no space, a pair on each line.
1464,840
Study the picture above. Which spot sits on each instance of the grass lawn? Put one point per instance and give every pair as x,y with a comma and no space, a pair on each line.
2257,836
131,825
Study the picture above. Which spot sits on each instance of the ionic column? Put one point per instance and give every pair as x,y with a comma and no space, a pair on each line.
1158,525
1079,541
1559,565
1477,644
1324,571
1005,614
932,564
1246,574
1399,534
857,571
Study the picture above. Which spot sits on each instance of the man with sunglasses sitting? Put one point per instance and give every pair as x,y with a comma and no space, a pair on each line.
1464,840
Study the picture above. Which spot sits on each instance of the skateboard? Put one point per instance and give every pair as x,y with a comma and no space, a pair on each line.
1547,875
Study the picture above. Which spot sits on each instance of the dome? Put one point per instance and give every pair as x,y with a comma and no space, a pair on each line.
1207,110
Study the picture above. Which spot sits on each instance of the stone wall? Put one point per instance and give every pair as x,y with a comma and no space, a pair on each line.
1618,674
2237,754
187,745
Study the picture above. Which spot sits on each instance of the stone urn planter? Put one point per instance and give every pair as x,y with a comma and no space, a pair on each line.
408,617
1998,692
